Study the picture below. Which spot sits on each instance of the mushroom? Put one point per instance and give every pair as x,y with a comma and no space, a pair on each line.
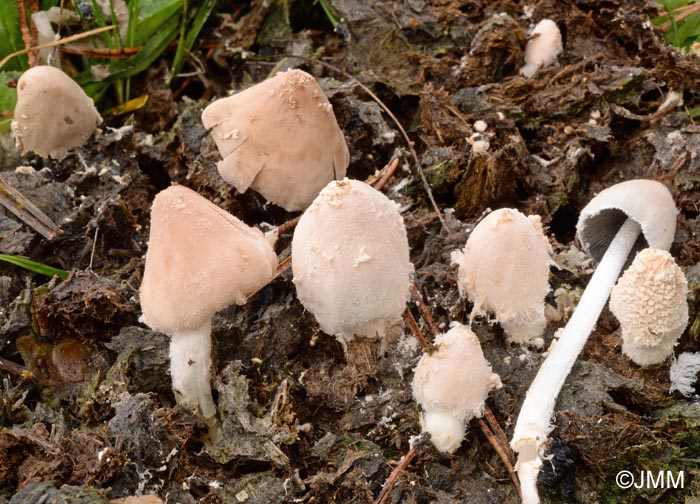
53,114
609,230
280,138
200,260
451,383
504,269
350,260
650,302
543,47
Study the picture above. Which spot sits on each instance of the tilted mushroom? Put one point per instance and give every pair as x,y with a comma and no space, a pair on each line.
280,138
504,269
200,260
650,302
350,260
609,230
542,49
451,383
53,114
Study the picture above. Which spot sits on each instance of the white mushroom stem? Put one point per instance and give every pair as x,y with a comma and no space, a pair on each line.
533,424
190,369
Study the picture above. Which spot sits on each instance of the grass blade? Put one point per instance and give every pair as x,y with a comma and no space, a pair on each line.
200,19
34,266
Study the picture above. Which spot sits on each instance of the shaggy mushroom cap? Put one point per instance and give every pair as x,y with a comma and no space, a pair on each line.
650,302
451,384
280,138
350,260
542,49
200,260
53,114
504,269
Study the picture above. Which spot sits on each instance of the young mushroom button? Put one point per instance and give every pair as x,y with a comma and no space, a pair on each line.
350,260
451,383
609,229
280,138
650,302
504,269
542,49
200,260
53,114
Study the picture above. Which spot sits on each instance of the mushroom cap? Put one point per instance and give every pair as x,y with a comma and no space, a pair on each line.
504,269
647,202
279,137
53,114
650,302
200,259
455,378
350,260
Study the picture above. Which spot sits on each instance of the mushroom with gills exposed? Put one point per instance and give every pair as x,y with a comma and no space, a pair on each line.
609,229
200,260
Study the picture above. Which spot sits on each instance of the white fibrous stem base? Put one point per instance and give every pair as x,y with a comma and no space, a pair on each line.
533,424
190,369
521,329
446,430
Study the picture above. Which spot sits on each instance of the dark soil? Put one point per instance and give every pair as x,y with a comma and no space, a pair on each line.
86,410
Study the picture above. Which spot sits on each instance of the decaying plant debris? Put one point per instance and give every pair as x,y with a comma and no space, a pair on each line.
86,409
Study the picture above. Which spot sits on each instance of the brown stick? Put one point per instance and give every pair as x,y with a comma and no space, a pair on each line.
12,368
413,325
424,311
289,225
416,443
493,441
390,169
26,211
496,428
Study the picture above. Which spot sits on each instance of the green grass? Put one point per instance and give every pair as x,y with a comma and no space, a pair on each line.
36,267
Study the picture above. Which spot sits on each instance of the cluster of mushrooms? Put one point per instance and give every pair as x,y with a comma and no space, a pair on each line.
350,258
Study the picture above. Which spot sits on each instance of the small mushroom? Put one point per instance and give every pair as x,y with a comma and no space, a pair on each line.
504,269
350,260
650,302
53,114
609,229
451,383
543,47
280,138
200,260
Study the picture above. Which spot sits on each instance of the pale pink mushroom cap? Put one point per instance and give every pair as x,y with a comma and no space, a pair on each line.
280,138
53,114
650,302
350,260
504,269
451,383
200,260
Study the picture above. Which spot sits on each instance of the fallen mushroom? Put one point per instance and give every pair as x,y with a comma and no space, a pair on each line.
451,384
350,260
543,47
650,302
200,259
609,230
279,138
504,269
53,114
